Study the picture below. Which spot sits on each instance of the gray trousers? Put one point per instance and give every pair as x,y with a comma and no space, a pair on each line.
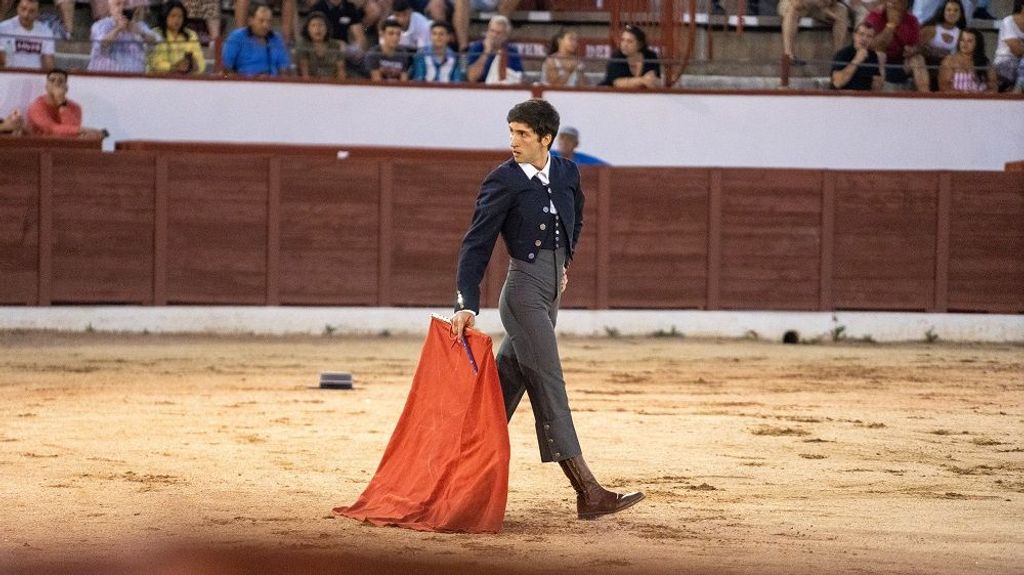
528,359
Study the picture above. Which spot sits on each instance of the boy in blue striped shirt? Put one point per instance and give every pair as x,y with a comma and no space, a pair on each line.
438,62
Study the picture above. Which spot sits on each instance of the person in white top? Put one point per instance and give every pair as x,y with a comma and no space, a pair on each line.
24,42
415,26
1009,59
562,67
939,36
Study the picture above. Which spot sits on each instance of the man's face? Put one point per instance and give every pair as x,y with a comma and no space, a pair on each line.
116,6
566,144
527,146
57,87
259,22
498,33
390,37
28,11
862,37
439,37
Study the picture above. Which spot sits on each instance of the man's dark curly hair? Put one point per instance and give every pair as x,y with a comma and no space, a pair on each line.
539,115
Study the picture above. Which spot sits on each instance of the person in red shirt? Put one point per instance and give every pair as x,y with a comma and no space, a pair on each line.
898,34
55,115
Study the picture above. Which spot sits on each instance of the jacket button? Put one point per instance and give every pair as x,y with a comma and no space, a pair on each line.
537,243
551,441
531,256
545,210
547,426
543,227
558,454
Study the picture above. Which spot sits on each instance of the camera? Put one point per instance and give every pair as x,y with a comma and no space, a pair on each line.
128,13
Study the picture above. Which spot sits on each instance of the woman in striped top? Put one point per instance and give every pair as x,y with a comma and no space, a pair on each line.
967,70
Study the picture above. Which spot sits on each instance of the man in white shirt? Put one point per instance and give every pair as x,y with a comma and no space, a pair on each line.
24,42
415,26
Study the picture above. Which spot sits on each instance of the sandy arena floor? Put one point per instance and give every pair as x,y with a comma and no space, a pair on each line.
189,453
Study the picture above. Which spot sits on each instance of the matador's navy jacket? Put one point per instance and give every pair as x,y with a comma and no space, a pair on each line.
517,207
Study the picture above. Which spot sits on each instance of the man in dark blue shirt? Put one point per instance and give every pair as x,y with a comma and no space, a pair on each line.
256,50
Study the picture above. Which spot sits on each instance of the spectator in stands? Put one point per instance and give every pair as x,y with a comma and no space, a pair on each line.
24,41
940,35
1009,59
898,34
206,10
828,10
981,11
256,50
968,69
633,65
415,26
179,51
858,67
492,60
349,20
67,16
53,114
438,62
567,142
12,124
388,62
562,67
319,56
289,10
434,10
119,41
461,12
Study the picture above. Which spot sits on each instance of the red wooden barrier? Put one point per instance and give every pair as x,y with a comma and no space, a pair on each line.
198,228
19,226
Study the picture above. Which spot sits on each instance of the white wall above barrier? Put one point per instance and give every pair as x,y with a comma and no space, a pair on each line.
770,130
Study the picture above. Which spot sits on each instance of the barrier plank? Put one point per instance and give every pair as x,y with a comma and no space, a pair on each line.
771,224
329,232
102,227
19,227
217,229
885,241
432,207
986,244
658,238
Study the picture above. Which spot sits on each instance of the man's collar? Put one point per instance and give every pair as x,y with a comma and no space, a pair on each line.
530,170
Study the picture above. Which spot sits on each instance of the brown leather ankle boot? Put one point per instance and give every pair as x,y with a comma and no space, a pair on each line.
592,500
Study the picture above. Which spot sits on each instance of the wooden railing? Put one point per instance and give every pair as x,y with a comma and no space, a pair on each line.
155,227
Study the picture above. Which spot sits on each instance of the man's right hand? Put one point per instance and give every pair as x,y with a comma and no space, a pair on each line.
460,321
860,56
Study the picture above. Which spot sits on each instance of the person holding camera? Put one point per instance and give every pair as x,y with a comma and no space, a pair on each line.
179,51
53,114
119,41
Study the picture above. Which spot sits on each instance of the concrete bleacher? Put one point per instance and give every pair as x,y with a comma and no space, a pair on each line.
729,51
